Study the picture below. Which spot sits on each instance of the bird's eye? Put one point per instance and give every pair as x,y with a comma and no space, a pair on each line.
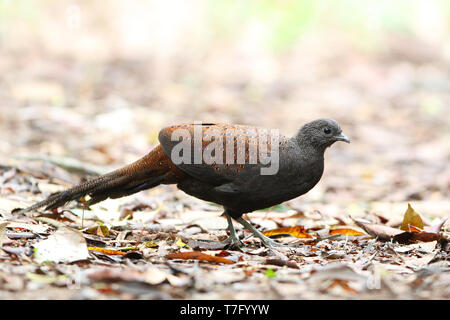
327,130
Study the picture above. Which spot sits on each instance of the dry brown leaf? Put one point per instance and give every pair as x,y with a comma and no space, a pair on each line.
383,233
197,255
298,232
209,245
411,237
101,231
282,263
223,253
411,218
416,233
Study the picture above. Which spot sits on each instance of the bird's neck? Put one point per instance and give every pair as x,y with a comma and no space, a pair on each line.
308,147
305,164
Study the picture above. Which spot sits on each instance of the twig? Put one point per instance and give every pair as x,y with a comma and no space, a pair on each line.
69,164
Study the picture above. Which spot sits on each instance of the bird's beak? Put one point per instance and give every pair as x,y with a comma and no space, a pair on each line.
342,137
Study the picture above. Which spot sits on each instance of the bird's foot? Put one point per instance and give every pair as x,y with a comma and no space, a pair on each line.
233,239
271,244
233,243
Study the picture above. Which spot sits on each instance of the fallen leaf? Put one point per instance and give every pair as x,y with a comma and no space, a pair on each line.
181,244
411,237
411,218
345,231
298,232
21,235
37,228
281,263
333,254
383,233
107,251
65,245
416,263
101,231
270,273
426,247
15,250
150,244
151,276
58,216
197,255
209,245
223,253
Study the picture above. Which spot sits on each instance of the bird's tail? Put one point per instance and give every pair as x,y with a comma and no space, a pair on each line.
147,172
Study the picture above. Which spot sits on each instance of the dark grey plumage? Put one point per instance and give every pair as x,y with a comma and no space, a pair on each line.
301,164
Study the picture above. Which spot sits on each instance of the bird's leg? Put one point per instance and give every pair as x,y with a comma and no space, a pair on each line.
233,238
265,240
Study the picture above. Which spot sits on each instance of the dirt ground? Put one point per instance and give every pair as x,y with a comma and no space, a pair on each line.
70,111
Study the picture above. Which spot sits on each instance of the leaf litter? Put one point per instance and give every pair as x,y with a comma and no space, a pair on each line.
349,278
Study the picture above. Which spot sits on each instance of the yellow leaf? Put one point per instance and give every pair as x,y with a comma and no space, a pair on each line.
181,244
101,231
107,251
298,231
346,231
42,278
411,218
150,244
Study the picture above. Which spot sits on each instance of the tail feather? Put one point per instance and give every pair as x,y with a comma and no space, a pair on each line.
124,190
148,172
58,199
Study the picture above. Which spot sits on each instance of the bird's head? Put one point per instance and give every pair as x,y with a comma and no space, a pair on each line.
321,133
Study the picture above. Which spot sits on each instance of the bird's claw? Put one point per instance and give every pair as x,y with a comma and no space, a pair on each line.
233,243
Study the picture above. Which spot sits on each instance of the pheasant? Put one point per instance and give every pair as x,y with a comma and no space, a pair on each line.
242,168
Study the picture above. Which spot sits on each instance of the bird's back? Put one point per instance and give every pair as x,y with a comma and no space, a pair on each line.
236,184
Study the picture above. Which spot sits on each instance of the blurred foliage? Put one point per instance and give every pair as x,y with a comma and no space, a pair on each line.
17,9
286,21
282,23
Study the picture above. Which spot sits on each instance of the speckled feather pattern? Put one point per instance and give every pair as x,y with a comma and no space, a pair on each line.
231,136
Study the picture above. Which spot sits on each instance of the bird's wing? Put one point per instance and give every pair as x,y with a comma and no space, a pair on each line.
235,156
